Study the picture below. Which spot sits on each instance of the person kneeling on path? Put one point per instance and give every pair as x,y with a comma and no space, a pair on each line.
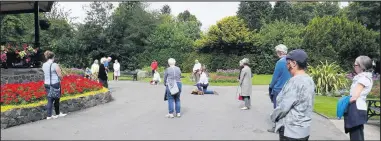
203,83
156,78
293,113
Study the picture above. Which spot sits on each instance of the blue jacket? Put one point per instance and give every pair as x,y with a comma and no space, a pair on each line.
342,105
281,75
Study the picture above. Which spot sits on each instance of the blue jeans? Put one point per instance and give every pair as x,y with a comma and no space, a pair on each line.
174,99
56,101
273,96
204,88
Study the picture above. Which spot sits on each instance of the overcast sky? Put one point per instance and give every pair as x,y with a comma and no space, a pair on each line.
207,12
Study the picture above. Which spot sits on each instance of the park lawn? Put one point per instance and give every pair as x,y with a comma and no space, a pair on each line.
326,106
257,80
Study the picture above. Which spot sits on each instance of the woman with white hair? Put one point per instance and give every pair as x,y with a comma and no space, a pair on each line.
102,75
116,70
95,69
173,85
356,116
245,84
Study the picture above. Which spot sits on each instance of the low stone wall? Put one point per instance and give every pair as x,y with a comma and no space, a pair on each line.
25,115
21,75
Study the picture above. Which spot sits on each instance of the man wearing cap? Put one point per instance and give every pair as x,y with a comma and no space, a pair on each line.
293,111
280,76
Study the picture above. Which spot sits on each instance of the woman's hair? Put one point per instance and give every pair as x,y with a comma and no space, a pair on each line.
49,55
103,60
365,63
281,48
171,62
96,61
245,61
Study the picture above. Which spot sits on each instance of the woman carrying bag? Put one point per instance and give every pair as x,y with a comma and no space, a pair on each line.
173,85
52,76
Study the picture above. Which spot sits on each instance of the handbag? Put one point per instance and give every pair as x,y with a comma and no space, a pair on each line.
53,92
239,90
173,88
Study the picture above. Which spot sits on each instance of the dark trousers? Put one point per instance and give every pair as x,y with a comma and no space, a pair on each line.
104,83
51,101
153,72
273,97
284,138
357,133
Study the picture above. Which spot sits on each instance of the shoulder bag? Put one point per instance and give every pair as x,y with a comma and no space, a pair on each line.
53,92
173,88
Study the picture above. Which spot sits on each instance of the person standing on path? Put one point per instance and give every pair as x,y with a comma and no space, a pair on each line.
172,75
102,75
196,71
154,66
245,84
294,108
95,70
356,116
280,76
52,76
116,67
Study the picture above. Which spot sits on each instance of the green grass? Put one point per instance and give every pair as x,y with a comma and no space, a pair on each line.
257,80
326,106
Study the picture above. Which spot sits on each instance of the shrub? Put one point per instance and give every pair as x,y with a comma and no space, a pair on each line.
375,93
228,72
328,77
35,91
215,78
72,71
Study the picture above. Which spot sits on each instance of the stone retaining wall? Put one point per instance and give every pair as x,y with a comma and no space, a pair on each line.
16,117
21,75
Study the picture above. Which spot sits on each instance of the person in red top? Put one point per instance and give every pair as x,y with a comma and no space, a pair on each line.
153,66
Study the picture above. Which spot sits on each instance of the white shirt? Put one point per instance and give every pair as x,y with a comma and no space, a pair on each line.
196,66
364,78
203,78
116,67
156,77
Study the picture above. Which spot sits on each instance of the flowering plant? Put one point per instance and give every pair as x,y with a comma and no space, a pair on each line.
228,72
35,91
3,54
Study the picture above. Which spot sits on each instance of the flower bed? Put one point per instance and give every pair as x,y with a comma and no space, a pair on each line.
72,71
215,78
24,93
228,72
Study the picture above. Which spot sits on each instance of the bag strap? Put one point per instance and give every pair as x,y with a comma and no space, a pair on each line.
50,73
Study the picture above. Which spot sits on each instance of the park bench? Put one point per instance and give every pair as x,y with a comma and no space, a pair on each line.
134,74
373,108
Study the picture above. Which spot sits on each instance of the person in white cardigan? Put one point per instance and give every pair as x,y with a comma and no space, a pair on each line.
156,78
116,70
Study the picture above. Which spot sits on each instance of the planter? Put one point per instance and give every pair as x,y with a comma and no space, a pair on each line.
20,116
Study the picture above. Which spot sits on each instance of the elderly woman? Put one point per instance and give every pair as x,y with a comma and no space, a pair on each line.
116,67
172,77
95,69
292,115
52,78
102,75
356,116
245,83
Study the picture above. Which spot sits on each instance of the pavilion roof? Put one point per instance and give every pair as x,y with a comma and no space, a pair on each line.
18,7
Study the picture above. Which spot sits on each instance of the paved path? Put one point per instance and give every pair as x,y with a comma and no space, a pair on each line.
138,113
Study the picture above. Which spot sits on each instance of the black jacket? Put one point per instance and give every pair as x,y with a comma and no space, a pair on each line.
102,72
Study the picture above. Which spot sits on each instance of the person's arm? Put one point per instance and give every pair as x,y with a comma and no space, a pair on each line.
242,76
59,73
289,99
165,77
277,72
357,91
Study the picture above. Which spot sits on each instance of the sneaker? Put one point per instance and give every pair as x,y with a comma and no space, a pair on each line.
169,116
272,130
244,108
178,115
52,117
215,92
61,115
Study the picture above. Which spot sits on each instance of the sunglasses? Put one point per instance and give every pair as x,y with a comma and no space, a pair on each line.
355,65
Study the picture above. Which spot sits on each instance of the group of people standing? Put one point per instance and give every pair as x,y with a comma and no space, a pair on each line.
99,71
292,93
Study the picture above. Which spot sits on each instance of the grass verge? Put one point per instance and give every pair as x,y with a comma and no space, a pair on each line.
257,80
44,102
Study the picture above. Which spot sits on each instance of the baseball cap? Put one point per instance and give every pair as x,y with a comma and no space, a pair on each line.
298,55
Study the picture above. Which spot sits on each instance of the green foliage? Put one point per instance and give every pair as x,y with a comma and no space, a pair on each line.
329,78
367,12
254,13
338,39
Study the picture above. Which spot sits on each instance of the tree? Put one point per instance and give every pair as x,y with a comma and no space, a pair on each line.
166,9
254,13
189,24
304,12
282,11
366,12
338,39
327,9
230,34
